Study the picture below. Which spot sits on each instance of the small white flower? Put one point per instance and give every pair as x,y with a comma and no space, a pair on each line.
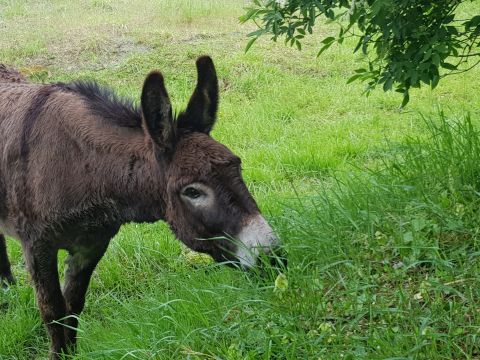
281,3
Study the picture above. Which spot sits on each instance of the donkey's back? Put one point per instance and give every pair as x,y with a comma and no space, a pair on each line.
7,74
15,99
15,95
55,155
28,136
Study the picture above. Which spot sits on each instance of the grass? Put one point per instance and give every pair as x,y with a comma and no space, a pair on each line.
378,207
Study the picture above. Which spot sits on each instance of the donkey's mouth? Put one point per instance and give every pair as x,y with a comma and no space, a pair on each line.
256,240
274,260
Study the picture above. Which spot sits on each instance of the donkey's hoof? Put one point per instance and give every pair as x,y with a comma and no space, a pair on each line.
6,280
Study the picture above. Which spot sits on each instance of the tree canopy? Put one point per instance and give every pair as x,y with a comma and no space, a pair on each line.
408,42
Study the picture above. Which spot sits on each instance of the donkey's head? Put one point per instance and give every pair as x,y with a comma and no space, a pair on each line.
208,205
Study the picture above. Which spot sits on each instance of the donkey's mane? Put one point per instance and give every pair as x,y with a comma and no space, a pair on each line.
103,102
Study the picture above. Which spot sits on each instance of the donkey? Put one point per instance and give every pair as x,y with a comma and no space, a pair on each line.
77,162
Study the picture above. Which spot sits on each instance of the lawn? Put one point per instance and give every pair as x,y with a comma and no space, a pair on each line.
377,207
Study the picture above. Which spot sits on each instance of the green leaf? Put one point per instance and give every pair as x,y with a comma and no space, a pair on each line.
473,22
353,78
359,44
427,55
387,85
298,44
250,43
448,66
435,80
323,48
257,33
250,14
328,40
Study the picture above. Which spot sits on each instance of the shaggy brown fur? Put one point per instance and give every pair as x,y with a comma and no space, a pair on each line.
77,162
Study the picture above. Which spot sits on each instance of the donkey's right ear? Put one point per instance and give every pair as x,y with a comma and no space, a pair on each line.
157,111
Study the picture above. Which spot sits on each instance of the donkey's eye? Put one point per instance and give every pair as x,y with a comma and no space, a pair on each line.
198,195
192,193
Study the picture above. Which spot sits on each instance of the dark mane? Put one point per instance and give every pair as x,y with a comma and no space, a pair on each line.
104,102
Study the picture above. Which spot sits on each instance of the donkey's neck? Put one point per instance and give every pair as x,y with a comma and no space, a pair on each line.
138,188
125,179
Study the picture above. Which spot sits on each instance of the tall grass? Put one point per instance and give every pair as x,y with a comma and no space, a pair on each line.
383,264
390,254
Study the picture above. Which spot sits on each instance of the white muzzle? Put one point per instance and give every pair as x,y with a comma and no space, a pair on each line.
255,237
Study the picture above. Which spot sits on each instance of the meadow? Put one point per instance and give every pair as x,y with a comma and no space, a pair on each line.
377,206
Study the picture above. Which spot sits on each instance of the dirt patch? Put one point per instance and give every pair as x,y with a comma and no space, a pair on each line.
95,54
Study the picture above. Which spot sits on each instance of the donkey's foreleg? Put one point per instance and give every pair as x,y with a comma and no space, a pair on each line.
6,276
81,265
41,261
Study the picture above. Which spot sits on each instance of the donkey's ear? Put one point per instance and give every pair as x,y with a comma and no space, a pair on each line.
157,110
201,111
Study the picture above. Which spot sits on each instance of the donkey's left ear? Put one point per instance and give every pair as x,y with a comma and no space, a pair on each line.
202,108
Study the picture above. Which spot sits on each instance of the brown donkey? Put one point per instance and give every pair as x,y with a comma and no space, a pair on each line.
77,162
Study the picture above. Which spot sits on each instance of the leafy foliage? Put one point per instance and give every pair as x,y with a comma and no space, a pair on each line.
408,41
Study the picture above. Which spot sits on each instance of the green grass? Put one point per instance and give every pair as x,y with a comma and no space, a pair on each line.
377,207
